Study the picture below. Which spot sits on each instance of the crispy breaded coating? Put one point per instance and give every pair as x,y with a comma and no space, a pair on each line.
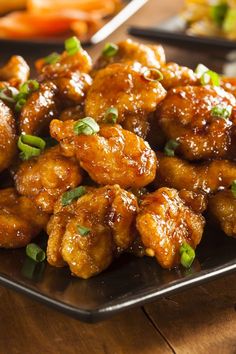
206,177
16,71
8,138
88,234
175,75
46,177
130,51
185,115
113,155
40,108
165,222
124,87
222,207
20,219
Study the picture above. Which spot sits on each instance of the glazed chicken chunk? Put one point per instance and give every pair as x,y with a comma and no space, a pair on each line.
125,87
113,155
8,148
165,223
20,219
93,230
129,51
44,178
16,71
190,115
207,177
175,75
222,207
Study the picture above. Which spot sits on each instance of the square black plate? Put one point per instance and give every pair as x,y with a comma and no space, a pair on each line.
173,32
129,282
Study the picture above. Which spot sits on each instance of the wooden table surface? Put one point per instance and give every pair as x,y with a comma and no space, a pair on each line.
199,320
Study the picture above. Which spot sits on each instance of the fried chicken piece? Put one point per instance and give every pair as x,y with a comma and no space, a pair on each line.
20,219
90,232
15,71
185,115
72,113
206,177
165,222
40,108
124,87
222,207
46,177
79,62
113,155
130,51
175,75
8,139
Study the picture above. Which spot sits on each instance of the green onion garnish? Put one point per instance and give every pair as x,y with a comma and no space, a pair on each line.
82,230
9,94
233,188
187,255
110,50
221,112
111,115
170,147
207,77
19,104
73,194
28,87
34,252
218,13
52,58
72,45
30,146
229,23
152,74
86,126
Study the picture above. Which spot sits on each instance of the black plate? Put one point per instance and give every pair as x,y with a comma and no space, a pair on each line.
173,32
129,8
129,282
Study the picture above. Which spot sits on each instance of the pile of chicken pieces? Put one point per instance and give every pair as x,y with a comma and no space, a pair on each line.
137,198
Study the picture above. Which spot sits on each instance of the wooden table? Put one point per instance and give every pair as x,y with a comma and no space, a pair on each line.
200,320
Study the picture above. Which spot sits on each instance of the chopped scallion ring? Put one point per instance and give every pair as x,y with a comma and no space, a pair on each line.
233,188
221,112
9,94
82,230
170,147
86,126
28,87
206,76
111,115
187,255
73,194
153,74
201,69
34,252
19,104
72,45
52,58
110,50
30,146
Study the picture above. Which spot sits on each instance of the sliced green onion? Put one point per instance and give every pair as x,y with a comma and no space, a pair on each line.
233,188
187,255
170,147
52,58
110,50
30,146
82,230
73,194
19,104
229,23
221,112
210,78
86,126
72,45
111,115
153,74
206,76
34,252
218,13
9,94
28,87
